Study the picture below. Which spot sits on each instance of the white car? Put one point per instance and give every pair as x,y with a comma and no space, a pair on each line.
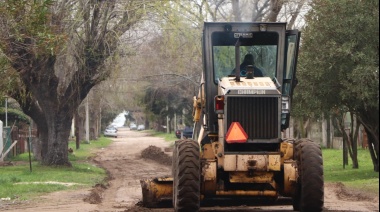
141,127
132,127
110,132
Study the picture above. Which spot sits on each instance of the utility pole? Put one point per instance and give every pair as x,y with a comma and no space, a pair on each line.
87,123
167,120
6,111
1,140
76,125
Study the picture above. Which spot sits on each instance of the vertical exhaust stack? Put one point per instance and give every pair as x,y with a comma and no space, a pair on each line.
237,60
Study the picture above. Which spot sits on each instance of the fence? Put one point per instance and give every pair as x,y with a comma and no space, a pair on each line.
15,141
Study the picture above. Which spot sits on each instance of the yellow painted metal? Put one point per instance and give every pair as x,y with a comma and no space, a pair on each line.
286,149
256,177
199,102
274,163
209,170
219,146
207,152
265,193
270,162
197,107
156,191
290,178
209,177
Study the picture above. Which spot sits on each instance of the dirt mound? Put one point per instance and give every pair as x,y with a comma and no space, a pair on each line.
6,163
156,154
345,193
95,197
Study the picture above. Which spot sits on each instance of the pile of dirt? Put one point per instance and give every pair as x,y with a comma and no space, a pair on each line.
6,163
95,197
351,194
156,154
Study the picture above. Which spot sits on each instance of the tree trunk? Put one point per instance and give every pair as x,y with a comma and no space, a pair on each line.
295,14
77,141
345,155
369,119
324,132
44,139
259,11
81,128
58,132
339,123
36,149
275,8
236,10
305,128
147,124
354,141
328,132
94,123
352,149
350,146
372,149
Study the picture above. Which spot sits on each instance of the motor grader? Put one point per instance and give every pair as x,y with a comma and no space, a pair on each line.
237,150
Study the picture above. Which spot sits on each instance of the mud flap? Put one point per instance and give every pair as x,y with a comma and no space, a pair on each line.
157,192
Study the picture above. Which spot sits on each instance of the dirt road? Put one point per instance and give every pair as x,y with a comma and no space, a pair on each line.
126,166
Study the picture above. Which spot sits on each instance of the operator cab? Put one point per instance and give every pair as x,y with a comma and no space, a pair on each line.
274,50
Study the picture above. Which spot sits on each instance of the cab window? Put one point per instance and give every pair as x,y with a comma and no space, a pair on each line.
262,45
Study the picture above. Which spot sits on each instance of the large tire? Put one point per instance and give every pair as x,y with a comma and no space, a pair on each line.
310,189
175,159
186,176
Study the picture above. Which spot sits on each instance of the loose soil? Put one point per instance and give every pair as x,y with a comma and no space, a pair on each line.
135,155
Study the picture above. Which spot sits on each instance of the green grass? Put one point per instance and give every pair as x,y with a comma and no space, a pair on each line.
363,178
87,151
166,136
82,173
86,175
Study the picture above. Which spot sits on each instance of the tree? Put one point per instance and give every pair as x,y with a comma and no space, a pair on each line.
165,69
339,64
165,102
60,50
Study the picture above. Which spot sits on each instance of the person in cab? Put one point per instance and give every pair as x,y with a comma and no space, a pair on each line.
247,63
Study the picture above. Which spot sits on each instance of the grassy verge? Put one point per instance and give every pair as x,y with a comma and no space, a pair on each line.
166,136
17,182
364,178
84,175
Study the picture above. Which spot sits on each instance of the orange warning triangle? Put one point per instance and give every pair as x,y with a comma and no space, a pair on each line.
236,134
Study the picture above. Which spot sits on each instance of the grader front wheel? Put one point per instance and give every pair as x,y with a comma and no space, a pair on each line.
186,176
310,191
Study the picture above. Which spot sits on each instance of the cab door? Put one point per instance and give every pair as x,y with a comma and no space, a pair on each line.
289,75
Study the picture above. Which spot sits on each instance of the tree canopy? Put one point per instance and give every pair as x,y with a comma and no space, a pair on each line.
60,50
55,51
339,63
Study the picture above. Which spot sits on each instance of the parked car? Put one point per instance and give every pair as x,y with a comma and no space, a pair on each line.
133,126
187,132
110,131
141,127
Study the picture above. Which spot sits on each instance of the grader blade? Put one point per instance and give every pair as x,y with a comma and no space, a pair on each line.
157,192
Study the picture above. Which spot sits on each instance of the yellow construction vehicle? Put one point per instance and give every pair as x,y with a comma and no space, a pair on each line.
241,110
